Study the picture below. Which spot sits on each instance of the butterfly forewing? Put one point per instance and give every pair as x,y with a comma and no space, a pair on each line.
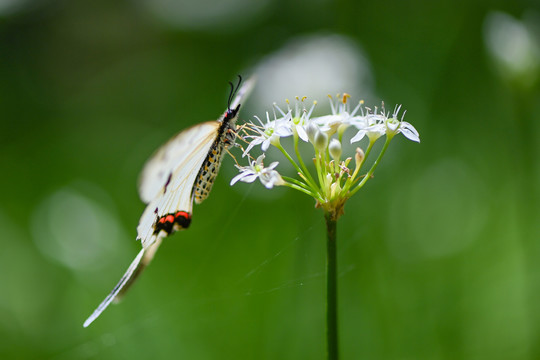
189,147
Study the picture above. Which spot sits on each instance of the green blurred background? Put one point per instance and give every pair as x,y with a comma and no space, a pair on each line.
437,255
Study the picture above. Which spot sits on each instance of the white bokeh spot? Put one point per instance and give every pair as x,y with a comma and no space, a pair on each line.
75,230
513,46
314,66
205,14
441,214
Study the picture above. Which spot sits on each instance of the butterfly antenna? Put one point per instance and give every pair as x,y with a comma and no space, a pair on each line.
234,91
238,85
231,95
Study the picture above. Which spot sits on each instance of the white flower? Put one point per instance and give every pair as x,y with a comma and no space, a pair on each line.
268,133
341,114
374,125
268,176
395,126
330,123
370,125
403,127
300,120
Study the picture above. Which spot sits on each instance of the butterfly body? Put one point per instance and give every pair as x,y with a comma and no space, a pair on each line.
180,172
210,167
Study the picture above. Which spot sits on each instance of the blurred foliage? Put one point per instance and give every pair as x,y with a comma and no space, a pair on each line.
438,253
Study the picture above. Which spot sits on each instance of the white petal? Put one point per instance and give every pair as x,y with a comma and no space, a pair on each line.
267,181
249,178
359,122
410,135
260,159
327,119
283,131
236,178
359,136
410,127
379,129
265,144
248,149
302,133
392,124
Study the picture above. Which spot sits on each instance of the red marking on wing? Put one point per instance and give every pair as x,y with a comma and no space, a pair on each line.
170,223
183,214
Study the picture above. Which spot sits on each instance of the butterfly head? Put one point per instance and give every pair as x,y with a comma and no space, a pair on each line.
230,114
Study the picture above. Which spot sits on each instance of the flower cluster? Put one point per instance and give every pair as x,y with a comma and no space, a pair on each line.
335,180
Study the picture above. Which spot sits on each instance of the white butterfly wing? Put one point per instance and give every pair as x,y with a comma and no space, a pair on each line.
116,290
142,259
183,149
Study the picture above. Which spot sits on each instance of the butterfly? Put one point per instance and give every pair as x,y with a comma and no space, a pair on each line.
179,173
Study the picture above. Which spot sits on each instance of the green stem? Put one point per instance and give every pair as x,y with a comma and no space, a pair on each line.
368,151
352,179
298,185
297,182
373,167
331,288
289,158
319,172
307,174
301,189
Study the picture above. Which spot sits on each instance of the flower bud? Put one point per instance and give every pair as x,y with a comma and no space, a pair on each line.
359,156
312,130
335,149
320,141
341,129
